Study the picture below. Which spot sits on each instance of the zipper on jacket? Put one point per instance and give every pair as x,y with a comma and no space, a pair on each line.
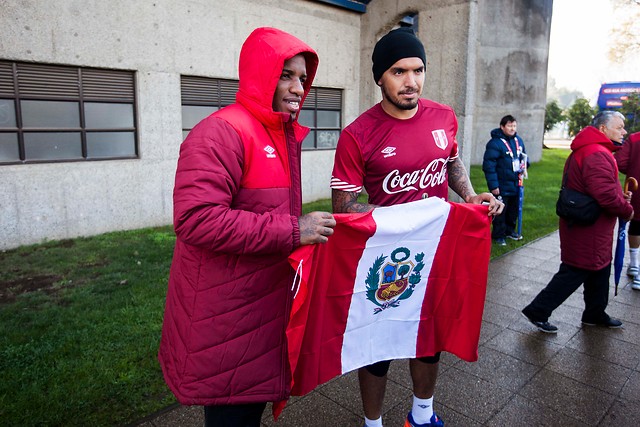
292,148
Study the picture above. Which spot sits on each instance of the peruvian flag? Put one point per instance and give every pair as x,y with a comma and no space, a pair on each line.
398,282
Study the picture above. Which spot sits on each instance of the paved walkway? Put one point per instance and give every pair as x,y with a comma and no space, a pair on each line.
583,376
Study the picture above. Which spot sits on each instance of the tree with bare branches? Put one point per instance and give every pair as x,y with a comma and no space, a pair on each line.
625,37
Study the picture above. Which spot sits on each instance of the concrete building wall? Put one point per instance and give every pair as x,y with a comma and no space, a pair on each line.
511,69
159,40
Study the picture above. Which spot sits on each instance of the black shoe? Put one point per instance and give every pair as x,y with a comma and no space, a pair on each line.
542,326
514,236
610,323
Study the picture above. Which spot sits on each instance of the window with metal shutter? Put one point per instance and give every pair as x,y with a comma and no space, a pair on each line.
51,113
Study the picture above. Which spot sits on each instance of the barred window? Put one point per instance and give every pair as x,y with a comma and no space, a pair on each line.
322,110
60,113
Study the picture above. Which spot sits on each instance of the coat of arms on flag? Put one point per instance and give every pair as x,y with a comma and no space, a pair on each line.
394,281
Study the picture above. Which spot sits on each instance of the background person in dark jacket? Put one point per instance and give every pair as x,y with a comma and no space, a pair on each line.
237,216
585,251
628,158
503,165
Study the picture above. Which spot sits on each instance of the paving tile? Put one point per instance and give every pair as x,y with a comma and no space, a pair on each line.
516,266
628,313
184,416
550,266
631,390
470,395
542,254
396,414
568,396
630,296
447,360
623,413
500,315
550,243
536,277
600,343
488,330
630,332
399,373
570,312
523,412
520,263
512,298
346,393
501,264
497,278
314,411
452,418
589,370
526,347
500,369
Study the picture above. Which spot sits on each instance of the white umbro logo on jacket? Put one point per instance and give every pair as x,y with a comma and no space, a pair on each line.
270,150
388,152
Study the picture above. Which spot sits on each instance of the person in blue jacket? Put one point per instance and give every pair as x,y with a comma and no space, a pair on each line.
504,165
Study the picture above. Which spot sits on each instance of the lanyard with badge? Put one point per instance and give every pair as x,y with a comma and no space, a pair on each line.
515,161
519,167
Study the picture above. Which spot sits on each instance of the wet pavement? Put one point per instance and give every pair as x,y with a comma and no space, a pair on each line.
582,376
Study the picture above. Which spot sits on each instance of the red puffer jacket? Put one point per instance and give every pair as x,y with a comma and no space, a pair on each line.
628,158
593,170
237,197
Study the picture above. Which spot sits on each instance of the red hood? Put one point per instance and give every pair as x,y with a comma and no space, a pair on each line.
589,136
262,59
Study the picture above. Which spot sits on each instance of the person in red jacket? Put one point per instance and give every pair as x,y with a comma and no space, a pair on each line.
237,217
585,251
628,158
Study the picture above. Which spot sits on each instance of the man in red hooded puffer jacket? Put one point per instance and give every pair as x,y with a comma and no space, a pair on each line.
585,251
237,217
628,158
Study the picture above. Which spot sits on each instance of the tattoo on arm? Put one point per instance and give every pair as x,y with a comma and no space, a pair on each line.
459,180
347,202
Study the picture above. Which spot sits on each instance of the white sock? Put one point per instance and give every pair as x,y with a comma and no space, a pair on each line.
633,257
373,423
422,410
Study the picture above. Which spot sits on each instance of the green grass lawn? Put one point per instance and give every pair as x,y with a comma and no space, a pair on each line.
80,319
540,195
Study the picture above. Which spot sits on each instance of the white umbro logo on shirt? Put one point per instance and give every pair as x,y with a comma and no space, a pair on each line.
270,150
388,152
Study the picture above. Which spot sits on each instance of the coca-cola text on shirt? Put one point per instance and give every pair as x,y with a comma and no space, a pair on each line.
432,176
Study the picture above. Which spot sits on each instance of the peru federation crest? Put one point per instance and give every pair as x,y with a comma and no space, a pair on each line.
390,282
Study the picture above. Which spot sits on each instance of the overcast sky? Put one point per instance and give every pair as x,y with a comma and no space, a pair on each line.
578,51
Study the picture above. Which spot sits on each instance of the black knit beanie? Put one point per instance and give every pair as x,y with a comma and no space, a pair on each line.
394,46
